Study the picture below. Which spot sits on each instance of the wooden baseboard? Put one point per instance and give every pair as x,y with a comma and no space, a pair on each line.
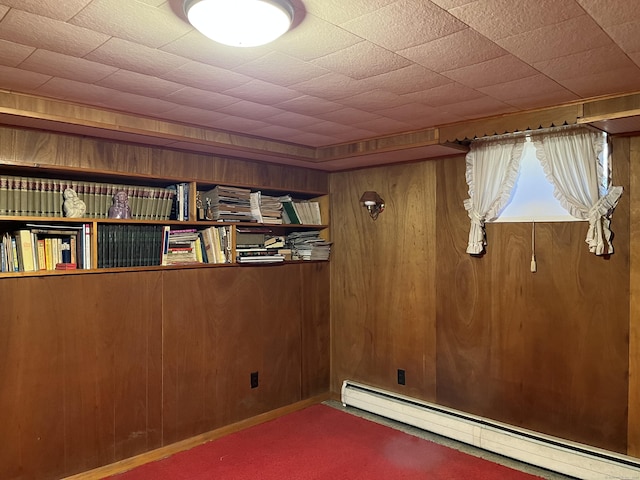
168,450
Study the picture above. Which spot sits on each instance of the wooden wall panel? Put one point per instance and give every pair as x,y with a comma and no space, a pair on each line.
220,325
633,193
315,296
546,351
30,147
77,393
383,279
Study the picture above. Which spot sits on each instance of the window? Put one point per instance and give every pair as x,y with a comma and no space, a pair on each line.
532,197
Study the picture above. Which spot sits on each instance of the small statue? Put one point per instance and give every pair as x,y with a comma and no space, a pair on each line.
72,205
120,207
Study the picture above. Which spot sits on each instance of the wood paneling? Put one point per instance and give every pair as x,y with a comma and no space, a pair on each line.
547,351
221,324
634,295
316,332
80,369
383,279
32,147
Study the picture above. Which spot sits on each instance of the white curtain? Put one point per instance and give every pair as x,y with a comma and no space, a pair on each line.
580,174
492,170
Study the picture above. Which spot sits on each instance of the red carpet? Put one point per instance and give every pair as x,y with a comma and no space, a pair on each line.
321,443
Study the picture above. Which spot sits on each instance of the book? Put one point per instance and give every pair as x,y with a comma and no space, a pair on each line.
26,250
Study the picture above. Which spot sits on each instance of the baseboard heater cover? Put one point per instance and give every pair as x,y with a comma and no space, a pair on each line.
552,453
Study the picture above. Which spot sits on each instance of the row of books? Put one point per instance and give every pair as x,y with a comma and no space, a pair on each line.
42,197
127,245
46,247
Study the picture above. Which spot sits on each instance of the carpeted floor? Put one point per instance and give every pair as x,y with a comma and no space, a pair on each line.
324,443
463,447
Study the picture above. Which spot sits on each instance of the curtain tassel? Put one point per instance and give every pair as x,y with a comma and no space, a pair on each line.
534,265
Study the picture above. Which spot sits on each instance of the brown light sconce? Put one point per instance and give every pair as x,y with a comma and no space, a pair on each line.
373,203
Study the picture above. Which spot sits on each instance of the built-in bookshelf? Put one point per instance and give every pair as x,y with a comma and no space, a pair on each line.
170,223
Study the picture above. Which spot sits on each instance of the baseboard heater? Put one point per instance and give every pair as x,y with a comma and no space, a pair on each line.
555,454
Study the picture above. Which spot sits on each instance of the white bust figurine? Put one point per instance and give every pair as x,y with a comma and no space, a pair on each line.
73,206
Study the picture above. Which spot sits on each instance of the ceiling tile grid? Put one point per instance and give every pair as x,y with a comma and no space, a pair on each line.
346,71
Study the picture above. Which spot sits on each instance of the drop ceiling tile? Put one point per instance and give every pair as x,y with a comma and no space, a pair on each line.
194,116
57,10
375,100
281,69
529,86
293,120
206,77
12,54
339,11
354,61
199,48
403,24
571,36
444,95
437,56
277,132
312,139
42,32
348,116
498,19
262,92
122,19
480,107
410,113
332,86
546,99
247,109
496,70
240,124
384,126
65,66
314,38
197,98
136,58
308,105
626,35
405,80
605,83
140,84
594,61
608,14
21,80
77,92
129,102
449,4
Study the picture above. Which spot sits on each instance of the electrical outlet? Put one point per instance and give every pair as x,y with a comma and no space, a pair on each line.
401,377
254,379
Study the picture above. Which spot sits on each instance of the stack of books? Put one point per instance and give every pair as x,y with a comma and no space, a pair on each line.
181,247
229,204
270,209
258,246
309,246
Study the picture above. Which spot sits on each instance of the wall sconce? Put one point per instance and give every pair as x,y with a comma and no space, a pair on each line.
373,203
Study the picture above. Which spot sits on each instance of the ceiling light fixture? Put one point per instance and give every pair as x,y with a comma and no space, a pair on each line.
240,23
